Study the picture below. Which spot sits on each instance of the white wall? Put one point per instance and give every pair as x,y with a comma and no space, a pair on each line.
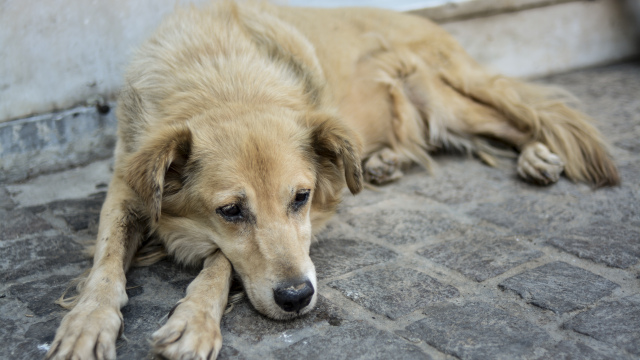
552,39
55,54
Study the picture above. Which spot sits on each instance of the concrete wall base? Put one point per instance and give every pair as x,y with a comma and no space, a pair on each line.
53,142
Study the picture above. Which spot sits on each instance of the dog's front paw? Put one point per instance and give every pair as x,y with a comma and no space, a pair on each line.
382,167
537,164
190,333
87,332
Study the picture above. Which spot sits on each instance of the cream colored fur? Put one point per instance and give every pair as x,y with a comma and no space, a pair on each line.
250,107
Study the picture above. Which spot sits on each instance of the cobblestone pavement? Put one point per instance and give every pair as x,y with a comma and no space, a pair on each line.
467,263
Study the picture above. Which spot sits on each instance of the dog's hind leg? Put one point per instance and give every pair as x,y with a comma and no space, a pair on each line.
193,328
456,121
540,113
471,119
91,328
536,163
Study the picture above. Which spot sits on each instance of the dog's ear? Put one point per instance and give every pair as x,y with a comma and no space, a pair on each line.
332,140
157,167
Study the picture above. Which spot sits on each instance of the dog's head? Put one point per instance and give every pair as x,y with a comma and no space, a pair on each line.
253,185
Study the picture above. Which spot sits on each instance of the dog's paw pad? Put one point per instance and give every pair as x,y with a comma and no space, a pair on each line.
382,167
537,164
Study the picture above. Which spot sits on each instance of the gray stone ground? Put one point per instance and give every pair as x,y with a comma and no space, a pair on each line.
467,263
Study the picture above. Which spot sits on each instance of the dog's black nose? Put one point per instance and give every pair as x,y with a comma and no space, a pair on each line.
293,296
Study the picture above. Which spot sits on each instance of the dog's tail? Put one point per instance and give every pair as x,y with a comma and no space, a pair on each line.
540,112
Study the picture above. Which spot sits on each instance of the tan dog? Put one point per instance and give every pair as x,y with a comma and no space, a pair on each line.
239,126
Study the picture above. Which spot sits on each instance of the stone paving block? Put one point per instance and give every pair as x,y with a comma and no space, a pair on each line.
40,295
401,227
42,253
38,338
395,291
5,199
79,214
525,215
18,223
609,95
570,350
352,341
228,352
141,319
559,287
613,244
480,256
630,144
631,170
44,331
478,331
170,276
26,350
449,187
371,197
617,205
8,338
616,323
338,256
245,321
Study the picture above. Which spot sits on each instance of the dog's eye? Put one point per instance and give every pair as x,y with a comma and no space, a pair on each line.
301,198
230,212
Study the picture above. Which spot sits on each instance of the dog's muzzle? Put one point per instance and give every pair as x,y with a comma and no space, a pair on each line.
293,296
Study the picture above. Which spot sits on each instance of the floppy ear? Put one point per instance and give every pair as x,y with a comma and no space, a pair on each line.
157,166
333,140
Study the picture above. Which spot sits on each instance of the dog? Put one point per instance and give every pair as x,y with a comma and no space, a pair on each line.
239,126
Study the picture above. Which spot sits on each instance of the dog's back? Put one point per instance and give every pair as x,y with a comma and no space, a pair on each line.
405,85
213,58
